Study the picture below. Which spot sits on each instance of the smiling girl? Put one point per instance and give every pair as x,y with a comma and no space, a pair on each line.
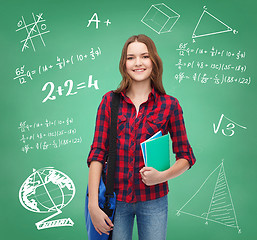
144,109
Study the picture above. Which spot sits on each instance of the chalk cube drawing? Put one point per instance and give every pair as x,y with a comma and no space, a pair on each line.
160,18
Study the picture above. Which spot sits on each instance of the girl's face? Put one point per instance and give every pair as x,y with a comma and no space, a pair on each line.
138,64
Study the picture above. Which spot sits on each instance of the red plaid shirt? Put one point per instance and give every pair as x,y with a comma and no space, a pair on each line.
159,112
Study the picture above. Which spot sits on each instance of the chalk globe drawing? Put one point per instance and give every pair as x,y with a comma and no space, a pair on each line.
46,190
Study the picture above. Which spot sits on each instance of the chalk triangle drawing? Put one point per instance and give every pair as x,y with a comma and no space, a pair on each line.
216,206
204,28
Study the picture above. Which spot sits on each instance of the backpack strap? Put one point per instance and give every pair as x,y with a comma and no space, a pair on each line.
112,152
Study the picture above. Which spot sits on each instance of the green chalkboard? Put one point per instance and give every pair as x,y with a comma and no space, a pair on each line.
58,58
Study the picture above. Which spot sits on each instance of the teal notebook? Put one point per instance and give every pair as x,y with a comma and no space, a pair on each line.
158,153
156,135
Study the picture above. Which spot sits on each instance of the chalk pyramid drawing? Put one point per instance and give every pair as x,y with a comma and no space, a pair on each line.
213,205
209,25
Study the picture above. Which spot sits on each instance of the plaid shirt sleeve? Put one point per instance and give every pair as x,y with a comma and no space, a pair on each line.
100,146
180,144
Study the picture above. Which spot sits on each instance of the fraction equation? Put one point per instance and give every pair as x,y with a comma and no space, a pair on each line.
184,50
48,145
41,135
24,126
47,134
217,78
214,66
24,75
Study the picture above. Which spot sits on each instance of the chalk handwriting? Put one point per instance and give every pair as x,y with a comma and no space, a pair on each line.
61,62
24,126
184,50
217,78
68,84
96,20
216,66
34,30
211,68
229,129
47,134
51,134
54,144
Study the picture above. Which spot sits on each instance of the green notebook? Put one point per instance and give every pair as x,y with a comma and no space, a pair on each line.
158,153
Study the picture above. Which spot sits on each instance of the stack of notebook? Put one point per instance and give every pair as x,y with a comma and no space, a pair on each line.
156,151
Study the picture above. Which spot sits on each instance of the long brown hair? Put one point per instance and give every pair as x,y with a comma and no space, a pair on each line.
156,74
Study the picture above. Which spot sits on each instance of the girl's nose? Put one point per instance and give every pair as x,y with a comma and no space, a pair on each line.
138,61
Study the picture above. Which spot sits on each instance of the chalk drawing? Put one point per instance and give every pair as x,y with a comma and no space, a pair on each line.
47,190
34,29
205,17
160,18
220,209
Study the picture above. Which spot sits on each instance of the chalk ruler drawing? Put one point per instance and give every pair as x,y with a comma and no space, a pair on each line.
206,17
160,18
34,29
47,190
220,209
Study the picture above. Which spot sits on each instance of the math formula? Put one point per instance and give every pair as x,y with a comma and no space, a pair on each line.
47,134
25,75
218,66
67,88
226,125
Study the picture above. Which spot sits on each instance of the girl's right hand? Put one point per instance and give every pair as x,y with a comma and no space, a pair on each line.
100,220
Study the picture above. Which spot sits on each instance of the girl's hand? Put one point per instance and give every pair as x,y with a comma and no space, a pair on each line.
151,176
100,220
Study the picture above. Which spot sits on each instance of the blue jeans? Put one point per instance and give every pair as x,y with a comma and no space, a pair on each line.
152,217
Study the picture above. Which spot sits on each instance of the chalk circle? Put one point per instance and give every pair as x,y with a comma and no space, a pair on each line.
235,31
20,23
43,26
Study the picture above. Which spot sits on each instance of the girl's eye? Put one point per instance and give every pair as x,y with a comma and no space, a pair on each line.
129,58
146,56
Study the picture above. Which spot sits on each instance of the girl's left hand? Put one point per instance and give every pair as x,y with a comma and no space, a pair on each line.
151,176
